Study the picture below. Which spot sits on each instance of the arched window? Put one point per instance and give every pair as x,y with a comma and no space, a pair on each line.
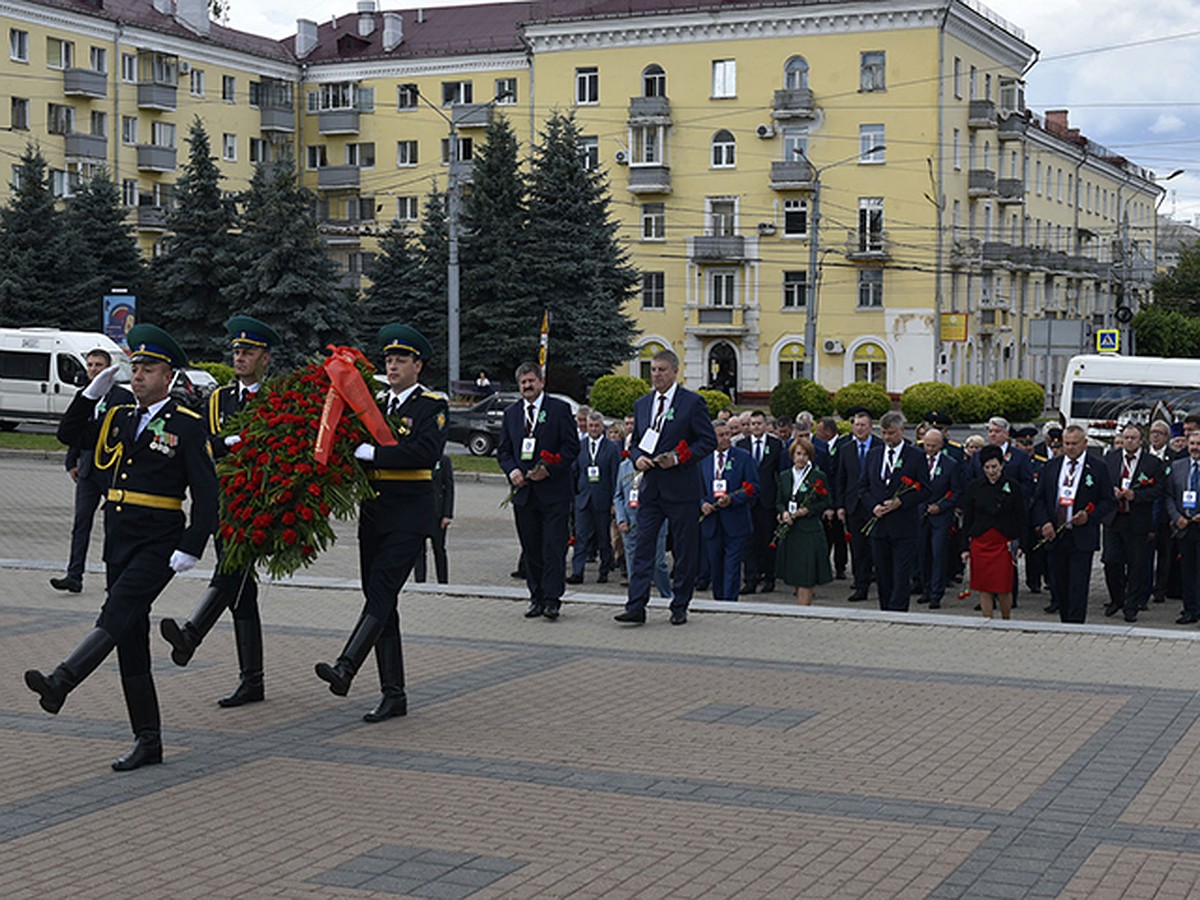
795,74
654,81
646,356
791,361
870,363
723,150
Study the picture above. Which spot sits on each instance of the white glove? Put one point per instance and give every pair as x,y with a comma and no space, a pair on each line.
102,383
233,440
181,562
365,452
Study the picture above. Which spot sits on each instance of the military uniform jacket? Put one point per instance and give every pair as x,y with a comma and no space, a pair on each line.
402,474
80,451
169,460
223,404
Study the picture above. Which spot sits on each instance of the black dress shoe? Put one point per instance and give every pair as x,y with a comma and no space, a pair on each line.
535,610
768,587
182,646
1159,598
923,600
935,604
749,588
517,574
574,579
67,583
602,578
702,586
1050,608
1032,589
1111,610
390,706
857,598
678,618
1130,618
840,576
551,612
146,751
1187,619
632,617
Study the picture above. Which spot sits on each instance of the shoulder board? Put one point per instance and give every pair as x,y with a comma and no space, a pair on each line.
955,444
435,395
187,412
1037,458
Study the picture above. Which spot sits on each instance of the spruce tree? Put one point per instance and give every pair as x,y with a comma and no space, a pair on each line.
31,250
431,315
102,250
397,292
500,314
287,280
190,280
580,272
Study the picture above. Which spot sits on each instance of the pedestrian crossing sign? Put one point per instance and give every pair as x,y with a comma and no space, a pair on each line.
1108,340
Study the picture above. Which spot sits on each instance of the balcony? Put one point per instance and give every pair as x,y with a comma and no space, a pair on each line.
153,95
982,114
1010,190
278,118
463,171
791,175
1013,127
87,146
152,218
1052,259
649,111
964,251
152,158
471,115
649,180
991,321
338,121
85,83
709,248
1021,256
989,299
867,246
338,178
996,251
981,183
715,320
793,103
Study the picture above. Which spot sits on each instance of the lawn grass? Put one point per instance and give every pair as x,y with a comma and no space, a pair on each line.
20,440
465,463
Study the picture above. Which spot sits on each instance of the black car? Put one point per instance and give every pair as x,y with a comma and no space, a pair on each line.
478,427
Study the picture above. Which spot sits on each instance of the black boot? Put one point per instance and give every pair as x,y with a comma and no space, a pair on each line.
390,657
362,639
184,640
83,660
142,703
250,661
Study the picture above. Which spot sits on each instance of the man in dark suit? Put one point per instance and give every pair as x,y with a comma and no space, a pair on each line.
826,432
672,432
1181,496
1160,556
1017,465
1073,497
852,511
156,452
595,473
1137,483
539,444
766,450
893,467
90,482
944,485
443,501
726,509
251,341
393,526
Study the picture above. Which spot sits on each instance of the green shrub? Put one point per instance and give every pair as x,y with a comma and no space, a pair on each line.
716,400
862,393
799,394
223,372
977,403
1023,399
614,395
927,396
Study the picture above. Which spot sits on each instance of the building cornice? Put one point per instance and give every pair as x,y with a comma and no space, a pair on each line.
1055,144
363,70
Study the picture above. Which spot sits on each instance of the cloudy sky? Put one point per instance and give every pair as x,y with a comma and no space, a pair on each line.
1128,72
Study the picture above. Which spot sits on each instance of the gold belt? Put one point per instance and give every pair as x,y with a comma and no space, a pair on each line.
400,474
137,498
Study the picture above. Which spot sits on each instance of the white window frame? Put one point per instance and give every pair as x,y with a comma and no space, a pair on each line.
408,208
795,290
646,145
587,85
129,68
654,222
505,92
791,208
316,156
18,45
718,222
359,156
724,79
98,59
66,55
259,150
872,71
721,289
589,152
723,153
654,291
196,83
229,88
19,121
229,144
163,134
407,154
870,284
871,137
129,130
456,93
870,224
408,96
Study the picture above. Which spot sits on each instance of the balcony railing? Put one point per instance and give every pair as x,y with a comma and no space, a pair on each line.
278,118
867,245
154,95
1013,127
471,115
793,103
338,121
715,320
152,218
982,114
996,251
718,248
791,175
1011,190
981,183
649,179
649,111
335,178
85,83
87,146
153,158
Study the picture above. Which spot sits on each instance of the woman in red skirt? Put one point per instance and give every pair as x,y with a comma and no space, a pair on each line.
993,518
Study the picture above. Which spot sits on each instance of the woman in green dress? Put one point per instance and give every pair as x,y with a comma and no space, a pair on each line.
802,558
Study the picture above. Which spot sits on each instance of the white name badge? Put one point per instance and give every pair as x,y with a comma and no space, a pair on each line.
593,473
1066,496
793,507
527,446
1189,500
649,441
719,488
633,499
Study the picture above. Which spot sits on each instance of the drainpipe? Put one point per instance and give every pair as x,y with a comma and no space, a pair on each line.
939,200
116,132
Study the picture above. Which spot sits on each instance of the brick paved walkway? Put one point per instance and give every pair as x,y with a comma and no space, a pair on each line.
744,755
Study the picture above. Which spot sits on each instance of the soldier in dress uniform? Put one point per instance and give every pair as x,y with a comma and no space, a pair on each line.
392,528
157,452
252,341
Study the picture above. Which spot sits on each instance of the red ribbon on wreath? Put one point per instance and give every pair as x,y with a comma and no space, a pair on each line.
347,388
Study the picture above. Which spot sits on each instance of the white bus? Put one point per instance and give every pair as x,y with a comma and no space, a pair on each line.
1101,392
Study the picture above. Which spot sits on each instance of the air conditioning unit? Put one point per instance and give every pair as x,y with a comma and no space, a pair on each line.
622,158
833,345
766,228
765,131
185,68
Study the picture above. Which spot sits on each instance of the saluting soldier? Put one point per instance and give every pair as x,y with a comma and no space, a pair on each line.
252,341
393,527
157,452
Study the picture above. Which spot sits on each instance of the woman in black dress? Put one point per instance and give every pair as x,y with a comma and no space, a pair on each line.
802,560
993,519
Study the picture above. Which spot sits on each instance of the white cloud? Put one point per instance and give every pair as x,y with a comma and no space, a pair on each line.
1167,124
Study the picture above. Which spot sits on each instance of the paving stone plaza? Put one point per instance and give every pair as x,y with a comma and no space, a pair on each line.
759,751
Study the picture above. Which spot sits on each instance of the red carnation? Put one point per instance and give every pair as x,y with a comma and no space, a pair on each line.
259,537
819,488
289,518
324,508
551,459
682,452
314,489
1090,508
307,550
305,513
289,536
227,532
624,454
747,489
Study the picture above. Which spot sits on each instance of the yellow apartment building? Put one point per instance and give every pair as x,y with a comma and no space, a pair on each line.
876,157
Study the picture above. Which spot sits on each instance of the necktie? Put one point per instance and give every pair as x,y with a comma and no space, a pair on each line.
142,413
393,405
658,417
932,463
595,446
1067,482
529,420
1194,481
720,465
891,457
862,453
758,450
1126,474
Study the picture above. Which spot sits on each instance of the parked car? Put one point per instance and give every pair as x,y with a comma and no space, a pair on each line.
192,387
478,427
